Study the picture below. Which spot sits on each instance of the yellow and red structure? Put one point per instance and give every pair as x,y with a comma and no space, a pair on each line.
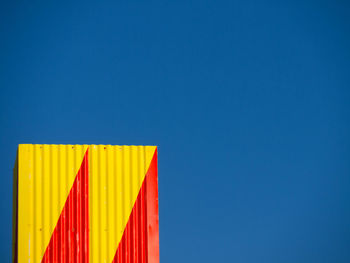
85,204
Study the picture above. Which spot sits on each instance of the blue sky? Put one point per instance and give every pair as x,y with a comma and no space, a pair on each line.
248,102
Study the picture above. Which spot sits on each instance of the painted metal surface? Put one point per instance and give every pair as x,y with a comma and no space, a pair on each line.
85,203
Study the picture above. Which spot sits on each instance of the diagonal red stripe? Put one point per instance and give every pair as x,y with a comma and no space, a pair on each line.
140,242
70,239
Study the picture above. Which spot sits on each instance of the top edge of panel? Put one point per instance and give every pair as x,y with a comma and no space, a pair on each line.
35,144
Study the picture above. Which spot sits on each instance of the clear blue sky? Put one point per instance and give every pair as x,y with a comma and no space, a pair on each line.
248,101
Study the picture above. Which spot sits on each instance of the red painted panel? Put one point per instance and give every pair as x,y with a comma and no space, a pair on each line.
140,241
70,239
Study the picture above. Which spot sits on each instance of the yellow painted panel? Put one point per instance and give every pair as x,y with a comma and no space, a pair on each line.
45,176
116,176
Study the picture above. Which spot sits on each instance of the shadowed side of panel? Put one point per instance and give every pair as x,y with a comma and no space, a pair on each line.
15,212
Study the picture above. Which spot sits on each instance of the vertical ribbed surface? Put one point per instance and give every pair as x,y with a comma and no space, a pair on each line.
70,240
139,233
116,176
46,174
86,203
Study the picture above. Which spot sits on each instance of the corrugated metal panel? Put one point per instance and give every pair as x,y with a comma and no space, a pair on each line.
86,203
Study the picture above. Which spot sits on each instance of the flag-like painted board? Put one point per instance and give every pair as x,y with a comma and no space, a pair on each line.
85,204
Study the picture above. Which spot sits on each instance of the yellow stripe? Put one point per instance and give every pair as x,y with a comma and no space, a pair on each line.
116,176
46,174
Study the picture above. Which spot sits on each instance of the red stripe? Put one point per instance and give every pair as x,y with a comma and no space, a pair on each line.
140,241
70,239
